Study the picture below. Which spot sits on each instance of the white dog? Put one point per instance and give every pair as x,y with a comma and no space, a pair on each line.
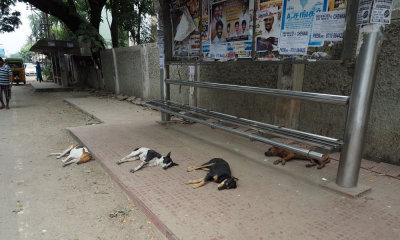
77,154
149,157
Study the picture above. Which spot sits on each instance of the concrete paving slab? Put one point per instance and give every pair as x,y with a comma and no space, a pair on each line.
353,192
49,87
271,201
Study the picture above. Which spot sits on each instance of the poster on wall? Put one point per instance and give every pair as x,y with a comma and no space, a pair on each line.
294,42
329,26
185,28
268,25
205,30
381,11
298,17
230,34
160,38
335,5
364,12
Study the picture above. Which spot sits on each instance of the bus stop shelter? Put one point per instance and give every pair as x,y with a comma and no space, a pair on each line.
57,51
197,33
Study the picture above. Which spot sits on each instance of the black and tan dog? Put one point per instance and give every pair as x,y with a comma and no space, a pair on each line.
288,155
218,171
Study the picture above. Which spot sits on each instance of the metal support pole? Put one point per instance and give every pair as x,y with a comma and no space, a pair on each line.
165,91
116,73
165,26
359,106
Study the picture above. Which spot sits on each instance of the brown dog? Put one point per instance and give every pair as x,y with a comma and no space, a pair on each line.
288,155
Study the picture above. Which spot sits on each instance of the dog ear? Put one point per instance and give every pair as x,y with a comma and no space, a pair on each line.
169,154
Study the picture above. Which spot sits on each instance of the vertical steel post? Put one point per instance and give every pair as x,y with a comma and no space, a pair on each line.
165,92
116,73
359,106
165,25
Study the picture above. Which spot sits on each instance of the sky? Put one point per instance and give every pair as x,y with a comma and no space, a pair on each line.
13,42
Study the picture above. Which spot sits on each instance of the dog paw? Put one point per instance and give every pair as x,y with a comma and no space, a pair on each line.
320,167
277,162
132,170
189,169
310,165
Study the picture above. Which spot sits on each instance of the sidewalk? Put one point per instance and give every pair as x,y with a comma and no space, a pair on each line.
271,202
49,87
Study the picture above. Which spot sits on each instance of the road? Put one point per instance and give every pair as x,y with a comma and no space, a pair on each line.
39,199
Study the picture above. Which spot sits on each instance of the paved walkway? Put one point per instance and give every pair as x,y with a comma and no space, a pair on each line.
49,87
271,202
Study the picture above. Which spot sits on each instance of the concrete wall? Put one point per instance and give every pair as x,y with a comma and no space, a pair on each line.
135,67
107,64
252,106
139,76
129,64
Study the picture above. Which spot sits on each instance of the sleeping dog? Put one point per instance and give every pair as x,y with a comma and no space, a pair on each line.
288,155
77,154
148,157
218,171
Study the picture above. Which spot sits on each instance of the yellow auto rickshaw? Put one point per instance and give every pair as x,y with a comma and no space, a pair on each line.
17,68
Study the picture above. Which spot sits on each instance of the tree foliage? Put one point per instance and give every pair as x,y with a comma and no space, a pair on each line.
132,16
9,20
81,18
25,54
58,30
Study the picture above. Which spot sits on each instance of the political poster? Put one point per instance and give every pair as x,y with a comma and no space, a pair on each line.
204,21
268,25
205,30
230,22
335,5
298,15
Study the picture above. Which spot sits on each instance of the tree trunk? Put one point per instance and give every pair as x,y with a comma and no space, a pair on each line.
114,23
62,11
139,23
96,6
133,36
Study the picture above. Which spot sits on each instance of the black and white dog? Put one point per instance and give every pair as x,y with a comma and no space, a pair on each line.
148,157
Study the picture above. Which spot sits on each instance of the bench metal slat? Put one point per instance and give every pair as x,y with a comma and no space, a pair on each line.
301,151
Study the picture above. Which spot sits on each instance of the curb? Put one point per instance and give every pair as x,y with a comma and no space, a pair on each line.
152,216
83,111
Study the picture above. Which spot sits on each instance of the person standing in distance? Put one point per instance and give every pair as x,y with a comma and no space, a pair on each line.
5,84
38,72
